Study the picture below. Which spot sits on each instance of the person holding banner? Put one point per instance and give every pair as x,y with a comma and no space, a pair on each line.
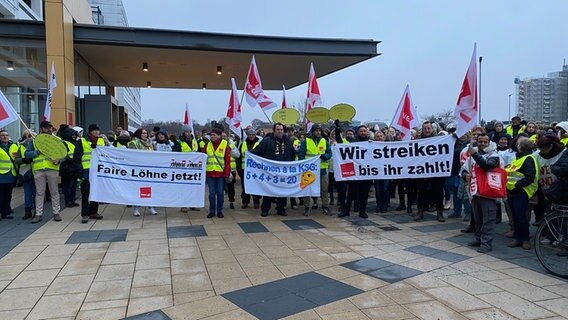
218,170
275,146
316,145
484,207
141,141
249,144
68,170
82,158
186,143
8,173
45,172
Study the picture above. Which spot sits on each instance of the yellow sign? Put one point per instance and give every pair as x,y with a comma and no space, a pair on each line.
50,146
342,112
286,116
318,115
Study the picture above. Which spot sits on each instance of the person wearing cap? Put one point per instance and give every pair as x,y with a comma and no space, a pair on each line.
250,143
516,127
218,170
316,145
82,158
45,172
8,173
562,129
79,131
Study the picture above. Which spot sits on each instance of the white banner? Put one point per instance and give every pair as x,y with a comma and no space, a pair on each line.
422,158
282,179
144,178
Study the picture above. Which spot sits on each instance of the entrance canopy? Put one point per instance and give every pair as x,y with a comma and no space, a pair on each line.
184,59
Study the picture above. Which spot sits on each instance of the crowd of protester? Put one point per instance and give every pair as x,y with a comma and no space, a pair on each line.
532,154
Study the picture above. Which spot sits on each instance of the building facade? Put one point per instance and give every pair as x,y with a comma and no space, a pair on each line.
112,13
544,99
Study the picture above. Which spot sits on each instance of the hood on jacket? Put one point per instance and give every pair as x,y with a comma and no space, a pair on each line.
563,125
67,134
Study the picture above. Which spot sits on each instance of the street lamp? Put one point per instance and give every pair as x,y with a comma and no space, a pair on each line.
510,105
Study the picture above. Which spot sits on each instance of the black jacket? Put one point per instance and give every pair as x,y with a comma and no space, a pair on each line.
456,165
250,145
267,148
560,167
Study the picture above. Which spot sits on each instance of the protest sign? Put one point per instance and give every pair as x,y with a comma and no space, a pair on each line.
421,158
318,115
50,146
142,178
265,177
286,116
342,112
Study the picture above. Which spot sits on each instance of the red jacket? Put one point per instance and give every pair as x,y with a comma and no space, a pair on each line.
227,171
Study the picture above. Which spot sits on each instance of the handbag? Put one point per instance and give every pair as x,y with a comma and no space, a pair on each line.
488,184
557,192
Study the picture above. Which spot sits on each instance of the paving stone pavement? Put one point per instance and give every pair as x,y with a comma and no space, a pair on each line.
178,265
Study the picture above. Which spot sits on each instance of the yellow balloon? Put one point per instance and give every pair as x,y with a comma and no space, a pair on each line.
286,116
318,115
342,112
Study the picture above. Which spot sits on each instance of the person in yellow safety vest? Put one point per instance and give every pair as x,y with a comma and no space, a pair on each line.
186,143
235,154
141,141
522,184
122,140
316,145
45,172
530,131
248,144
8,173
516,127
562,129
202,139
82,159
25,171
68,170
335,137
218,171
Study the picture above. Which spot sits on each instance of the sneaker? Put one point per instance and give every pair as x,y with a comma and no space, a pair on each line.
210,215
326,211
526,245
36,219
440,218
363,215
447,205
474,243
231,205
96,216
294,206
220,215
84,219
57,217
153,211
136,212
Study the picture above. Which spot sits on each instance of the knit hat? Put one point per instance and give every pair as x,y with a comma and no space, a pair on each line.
217,131
93,127
563,125
78,129
124,133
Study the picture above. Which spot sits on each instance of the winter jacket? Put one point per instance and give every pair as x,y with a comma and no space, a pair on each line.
267,148
560,167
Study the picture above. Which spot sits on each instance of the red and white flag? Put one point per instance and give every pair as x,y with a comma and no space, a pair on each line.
405,117
283,97
187,120
234,110
466,111
7,112
52,85
254,92
314,97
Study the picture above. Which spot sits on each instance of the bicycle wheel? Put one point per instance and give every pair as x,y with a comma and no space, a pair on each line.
551,244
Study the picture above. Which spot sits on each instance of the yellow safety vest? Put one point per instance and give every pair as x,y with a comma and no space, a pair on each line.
533,138
6,160
201,144
213,155
312,150
185,146
71,148
513,175
87,151
40,162
564,141
509,130
244,148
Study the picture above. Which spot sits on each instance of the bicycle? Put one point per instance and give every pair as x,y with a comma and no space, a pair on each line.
551,241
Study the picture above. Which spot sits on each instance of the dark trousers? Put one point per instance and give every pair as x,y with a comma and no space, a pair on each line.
245,196
330,185
267,201
69,188
231,190
6,198
341,193
484,211
87,207
407,187
358,193
540,208
519,202
430,190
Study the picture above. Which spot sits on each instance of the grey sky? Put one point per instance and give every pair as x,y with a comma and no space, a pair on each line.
426,44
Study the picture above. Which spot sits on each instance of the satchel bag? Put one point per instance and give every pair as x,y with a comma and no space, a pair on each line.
488,184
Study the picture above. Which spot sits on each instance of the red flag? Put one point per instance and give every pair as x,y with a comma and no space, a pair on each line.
466,111
187,120
254,92
7,112
314,97
234,110
283,97
405,117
